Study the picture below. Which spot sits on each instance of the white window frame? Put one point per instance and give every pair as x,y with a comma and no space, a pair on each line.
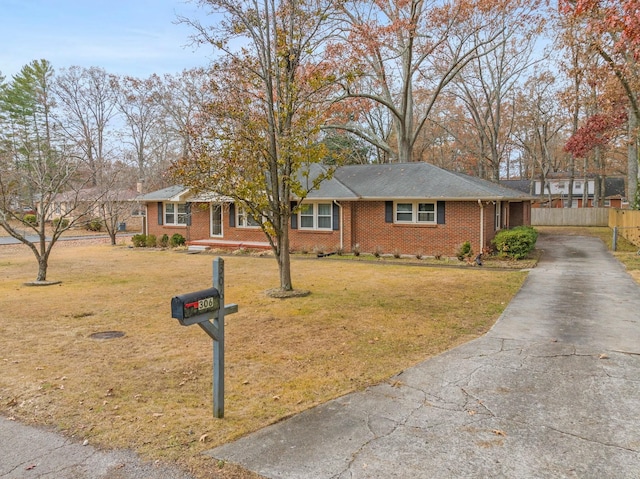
244,219
176,213
312,211
498,220
415,212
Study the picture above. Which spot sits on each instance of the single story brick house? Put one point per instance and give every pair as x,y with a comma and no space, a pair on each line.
406,208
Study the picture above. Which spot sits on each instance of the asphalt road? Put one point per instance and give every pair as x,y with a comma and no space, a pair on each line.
7,240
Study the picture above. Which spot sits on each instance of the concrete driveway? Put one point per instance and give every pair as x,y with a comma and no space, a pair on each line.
552,391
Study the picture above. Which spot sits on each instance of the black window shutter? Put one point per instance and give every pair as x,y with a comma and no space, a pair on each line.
441,212
188,211
294,216
160,213
388,211
232,215
336,217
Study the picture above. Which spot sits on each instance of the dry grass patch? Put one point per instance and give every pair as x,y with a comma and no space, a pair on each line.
150,390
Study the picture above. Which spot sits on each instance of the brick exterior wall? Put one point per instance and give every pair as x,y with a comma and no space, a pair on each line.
153,228
462,223
363,224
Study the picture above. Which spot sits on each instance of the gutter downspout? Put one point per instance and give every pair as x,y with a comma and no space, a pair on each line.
481,225
341,224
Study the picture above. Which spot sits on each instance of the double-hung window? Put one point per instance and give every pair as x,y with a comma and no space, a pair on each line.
245,219
415,212
175,214
316,216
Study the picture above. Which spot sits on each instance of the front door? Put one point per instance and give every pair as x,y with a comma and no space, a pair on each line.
216,219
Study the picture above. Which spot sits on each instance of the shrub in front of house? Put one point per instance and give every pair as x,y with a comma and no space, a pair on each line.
163,242
63,222
31,219
464,251
151,241
95,224
177,240
516,243
139,240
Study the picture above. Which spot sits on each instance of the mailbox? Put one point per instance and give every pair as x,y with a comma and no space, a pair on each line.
197,307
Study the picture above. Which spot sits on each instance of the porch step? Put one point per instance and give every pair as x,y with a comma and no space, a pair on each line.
227,244
194,248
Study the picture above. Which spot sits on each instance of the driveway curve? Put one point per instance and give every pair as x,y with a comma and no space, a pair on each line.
552,391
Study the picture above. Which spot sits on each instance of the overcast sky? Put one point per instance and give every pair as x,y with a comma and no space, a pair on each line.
127,37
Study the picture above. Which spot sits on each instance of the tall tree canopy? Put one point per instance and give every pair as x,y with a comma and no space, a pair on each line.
612,29
390,51
259,135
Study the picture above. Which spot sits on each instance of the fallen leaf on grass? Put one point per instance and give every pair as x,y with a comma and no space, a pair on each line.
204,438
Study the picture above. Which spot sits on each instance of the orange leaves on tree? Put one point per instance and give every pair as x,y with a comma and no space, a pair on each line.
598,131
619,19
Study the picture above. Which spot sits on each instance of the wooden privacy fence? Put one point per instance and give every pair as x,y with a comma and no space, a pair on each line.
627,223
570,216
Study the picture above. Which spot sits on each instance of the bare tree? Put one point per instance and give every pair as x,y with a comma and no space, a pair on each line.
87,100
390,51
182,98
487,85
145,126
38,166
539,127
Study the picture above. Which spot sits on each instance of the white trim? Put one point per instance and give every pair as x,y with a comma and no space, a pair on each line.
211,208
242,218
315,216
176,213
415,212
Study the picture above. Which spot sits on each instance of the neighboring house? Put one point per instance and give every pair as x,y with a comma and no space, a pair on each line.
86,205
555,193
410,208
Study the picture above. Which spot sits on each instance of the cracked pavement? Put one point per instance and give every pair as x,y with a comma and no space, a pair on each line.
552,391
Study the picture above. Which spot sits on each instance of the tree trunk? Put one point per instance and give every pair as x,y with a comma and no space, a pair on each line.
43,263
284,260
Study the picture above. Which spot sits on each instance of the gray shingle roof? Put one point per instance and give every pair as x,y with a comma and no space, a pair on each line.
388,182
163,194
414,181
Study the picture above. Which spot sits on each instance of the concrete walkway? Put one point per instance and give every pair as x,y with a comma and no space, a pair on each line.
552,391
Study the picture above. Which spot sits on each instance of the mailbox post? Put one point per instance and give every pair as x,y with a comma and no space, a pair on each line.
206,309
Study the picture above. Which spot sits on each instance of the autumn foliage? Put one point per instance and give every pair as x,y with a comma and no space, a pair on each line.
597,131
620,17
